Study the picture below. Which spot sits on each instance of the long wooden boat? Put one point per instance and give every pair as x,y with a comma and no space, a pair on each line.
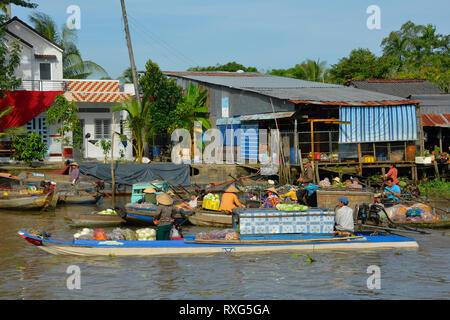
82,197
142,215
26,202
207,218
93,219
190,245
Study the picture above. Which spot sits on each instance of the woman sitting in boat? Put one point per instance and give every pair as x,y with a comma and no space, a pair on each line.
165,216
230,200
272,199
149,196
344,218
291,196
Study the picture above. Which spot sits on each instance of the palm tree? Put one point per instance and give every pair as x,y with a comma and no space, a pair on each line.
137,122
74,67
311,70
193,108
127,76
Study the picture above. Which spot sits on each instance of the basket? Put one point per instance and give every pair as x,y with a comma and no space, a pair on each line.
211,205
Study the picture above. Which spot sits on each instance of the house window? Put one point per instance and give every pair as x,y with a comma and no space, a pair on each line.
45,71
102,128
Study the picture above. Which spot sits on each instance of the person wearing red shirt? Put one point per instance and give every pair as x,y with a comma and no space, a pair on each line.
392,173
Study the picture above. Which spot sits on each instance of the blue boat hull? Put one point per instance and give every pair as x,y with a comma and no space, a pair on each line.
144,216
189,246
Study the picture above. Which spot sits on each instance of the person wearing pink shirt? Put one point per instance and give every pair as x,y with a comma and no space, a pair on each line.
392,173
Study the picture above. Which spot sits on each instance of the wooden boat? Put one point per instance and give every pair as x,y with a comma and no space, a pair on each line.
208,218
83,197
190,245
138,214
93,219
26,201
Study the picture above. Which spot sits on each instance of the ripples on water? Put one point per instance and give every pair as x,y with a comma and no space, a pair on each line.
29,273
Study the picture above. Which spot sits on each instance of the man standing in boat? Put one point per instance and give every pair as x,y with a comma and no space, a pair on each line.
74,176
165,216
344,218
305,179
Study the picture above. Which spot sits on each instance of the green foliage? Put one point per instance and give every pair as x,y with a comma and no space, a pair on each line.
28,148
65,114
436,188
164,95
138,121
307,70
9,61
361,64
106,147
229,67
192,108
74,67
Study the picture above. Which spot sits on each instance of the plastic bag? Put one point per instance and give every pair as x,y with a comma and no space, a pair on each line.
174,233
130,235
100,234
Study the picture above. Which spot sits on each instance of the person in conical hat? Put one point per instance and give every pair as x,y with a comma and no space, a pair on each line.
232,189
230,200
150,195
165,216
272,199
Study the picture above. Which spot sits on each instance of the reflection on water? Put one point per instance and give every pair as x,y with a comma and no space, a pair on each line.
29,273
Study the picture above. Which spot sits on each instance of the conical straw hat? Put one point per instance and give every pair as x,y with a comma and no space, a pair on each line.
149,190
232,189
164,199
272,190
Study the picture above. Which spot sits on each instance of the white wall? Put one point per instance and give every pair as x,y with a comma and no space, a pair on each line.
40,46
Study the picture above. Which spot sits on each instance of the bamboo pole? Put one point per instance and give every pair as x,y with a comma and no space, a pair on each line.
113,182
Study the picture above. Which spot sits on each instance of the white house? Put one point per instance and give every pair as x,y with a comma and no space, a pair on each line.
41,71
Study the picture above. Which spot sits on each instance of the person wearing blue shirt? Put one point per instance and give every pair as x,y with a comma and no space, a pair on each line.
392,191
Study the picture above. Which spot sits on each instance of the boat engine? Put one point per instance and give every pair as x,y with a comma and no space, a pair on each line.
369,213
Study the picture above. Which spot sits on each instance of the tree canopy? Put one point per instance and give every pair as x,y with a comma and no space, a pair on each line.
229,67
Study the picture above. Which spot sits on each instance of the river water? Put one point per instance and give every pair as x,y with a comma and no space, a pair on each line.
29,273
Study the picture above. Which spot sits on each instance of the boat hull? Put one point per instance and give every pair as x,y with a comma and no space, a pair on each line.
144,216
93,220
25,202
210,219
163,248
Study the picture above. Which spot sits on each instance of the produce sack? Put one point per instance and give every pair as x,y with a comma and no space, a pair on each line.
100,235
421,206
130,235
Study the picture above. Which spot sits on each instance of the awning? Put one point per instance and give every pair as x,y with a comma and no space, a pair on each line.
254,117
436,120
28,105
378,124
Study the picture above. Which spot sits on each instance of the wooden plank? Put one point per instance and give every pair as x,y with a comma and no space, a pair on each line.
243,242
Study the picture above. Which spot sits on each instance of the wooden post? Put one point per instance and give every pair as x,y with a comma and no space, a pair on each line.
312,140
440,139
359,159
436,169
113,182
389,151
130,52
295,142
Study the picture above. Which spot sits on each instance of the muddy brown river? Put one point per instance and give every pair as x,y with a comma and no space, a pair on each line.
29,273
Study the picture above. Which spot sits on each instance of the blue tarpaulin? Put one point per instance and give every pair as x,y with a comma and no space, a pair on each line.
130,174
377,124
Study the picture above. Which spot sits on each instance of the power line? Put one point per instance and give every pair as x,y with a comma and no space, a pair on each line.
164,43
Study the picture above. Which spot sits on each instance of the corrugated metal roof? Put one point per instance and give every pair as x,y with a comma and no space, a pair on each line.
436,120
254,117
397,87
434,103
294,90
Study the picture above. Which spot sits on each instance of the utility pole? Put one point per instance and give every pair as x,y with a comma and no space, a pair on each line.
130,52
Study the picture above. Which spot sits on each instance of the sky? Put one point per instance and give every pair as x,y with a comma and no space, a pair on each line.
178,34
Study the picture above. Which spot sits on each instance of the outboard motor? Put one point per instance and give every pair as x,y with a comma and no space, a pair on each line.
369,213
